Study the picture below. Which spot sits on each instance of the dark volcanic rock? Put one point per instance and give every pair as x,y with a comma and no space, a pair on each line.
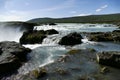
101,37
52,24
1,51
118,31
51,31
71,39
104,36
109,59
12,56
32,37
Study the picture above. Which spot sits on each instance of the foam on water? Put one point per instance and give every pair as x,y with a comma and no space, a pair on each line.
69,27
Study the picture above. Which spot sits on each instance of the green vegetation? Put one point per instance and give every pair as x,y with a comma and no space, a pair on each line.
110,18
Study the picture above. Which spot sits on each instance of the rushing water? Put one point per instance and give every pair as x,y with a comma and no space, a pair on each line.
49,50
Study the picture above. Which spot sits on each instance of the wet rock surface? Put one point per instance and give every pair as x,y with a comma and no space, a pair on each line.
51,31
36,36
109,59
71,39
12,56
32,37
104,36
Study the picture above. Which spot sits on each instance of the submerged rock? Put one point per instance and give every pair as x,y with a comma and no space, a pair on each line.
12,56
109,59
71,39
36,36
74,65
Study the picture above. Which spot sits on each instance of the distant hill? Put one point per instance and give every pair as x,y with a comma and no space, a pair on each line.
107,18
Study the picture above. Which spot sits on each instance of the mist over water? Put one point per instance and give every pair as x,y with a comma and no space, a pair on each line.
9,33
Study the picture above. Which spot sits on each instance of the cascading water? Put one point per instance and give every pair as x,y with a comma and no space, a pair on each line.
49,50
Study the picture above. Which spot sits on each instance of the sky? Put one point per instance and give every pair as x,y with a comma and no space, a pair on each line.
23,10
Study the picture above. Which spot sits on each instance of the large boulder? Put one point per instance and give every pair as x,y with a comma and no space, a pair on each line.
51,31
71,39
12,56
109,59
32,37
36,36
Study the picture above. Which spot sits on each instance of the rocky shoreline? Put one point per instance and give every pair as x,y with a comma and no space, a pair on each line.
74,65
12,56
85,64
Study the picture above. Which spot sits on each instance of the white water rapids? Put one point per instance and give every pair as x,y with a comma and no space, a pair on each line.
49,50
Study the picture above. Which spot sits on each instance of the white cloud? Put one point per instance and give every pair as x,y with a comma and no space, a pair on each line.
73,12
13,16
9,14
98,10
9,17
84,14
101,8
105,6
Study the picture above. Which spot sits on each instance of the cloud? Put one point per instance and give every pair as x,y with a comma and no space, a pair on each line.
11,14
84,14
105,6
98,10
73,12
101,8
14,15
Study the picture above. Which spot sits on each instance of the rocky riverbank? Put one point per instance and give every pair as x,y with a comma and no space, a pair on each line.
104,36
76,64
12,56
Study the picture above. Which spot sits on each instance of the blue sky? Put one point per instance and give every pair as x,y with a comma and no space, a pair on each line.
28,9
